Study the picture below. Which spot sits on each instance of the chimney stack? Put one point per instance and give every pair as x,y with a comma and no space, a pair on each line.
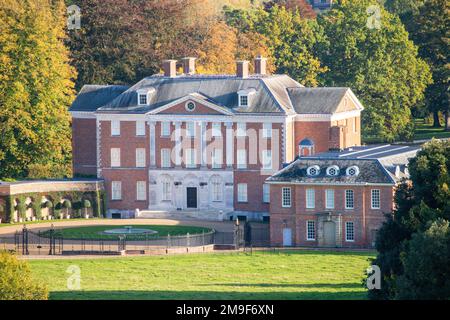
170,68
188,65
242,69
260,65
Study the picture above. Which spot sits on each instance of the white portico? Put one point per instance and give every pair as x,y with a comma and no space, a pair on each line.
171,190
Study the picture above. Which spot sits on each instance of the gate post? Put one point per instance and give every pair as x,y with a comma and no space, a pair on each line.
52,241
25,241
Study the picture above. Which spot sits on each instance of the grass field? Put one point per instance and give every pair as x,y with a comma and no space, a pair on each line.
263,275
427,131
96,231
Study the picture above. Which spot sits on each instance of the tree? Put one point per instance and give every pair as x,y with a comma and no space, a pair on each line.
432,35
123,41
377,60
36,89
426,265
419,202
303,6
290,39
223,45
16,282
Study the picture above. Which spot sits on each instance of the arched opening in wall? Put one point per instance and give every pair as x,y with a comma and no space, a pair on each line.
29,212
306,148
47,207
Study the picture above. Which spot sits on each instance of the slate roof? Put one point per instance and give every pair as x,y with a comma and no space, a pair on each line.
92,97
316,100
390,156
270,95
371,172
274,94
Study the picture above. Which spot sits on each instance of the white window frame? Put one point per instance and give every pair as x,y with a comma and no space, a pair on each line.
115,128
267,130
347,199
116,190
374,200
140,157
241,129
329,198
166,188
348,233
242,195
115,158
141,191
216,190
310,195
243,97
165,128
165,158
286,197
145,95
216,129
191,158
310,230
266,157
266,193
140,128
217,158
241,159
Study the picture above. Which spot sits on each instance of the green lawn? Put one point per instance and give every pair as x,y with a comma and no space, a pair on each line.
427,131
263,275
95,232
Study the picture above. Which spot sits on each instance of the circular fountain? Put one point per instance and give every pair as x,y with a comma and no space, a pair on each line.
128,230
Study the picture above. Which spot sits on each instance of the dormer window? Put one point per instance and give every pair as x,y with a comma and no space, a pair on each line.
313,171
143,96
243,101
143,99
353,171
332,171
245,97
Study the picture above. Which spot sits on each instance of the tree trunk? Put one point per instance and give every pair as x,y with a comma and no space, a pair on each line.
436,121
447,120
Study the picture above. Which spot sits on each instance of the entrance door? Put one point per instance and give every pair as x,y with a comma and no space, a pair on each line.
287,237
191,196
329,234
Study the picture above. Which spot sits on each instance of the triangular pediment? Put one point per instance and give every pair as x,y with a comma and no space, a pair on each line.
192,104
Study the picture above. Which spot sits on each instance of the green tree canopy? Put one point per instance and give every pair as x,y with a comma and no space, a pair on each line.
16,282
36,90
369,51
419,203
290,39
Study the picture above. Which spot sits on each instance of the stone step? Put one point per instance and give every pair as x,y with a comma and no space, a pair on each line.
182,215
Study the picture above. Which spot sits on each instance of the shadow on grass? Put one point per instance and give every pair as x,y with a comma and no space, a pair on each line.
204,295
291,285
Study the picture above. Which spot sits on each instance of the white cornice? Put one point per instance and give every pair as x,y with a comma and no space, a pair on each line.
325,117
82,114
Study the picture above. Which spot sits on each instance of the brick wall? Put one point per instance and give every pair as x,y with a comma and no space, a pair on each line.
84,146
366,220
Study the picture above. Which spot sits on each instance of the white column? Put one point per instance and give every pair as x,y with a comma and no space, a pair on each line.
177,143
229,143
152,143
203,142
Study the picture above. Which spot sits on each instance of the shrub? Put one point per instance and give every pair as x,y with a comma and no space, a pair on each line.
22,210
37,209
16,282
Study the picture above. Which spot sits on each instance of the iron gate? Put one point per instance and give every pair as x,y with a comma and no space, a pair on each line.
28,242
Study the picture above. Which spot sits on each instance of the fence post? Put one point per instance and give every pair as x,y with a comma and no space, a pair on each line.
168,240
203,238
188,242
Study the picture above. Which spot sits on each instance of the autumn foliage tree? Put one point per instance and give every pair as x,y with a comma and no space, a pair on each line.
36,89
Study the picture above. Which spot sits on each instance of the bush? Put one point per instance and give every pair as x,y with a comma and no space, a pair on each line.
16,282
22,210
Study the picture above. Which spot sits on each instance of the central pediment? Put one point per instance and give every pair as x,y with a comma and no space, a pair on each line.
194,104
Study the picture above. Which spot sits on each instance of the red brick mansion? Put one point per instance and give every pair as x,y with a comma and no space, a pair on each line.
175,142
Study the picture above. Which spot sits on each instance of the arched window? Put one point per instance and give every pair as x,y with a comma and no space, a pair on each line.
306,148
216,188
